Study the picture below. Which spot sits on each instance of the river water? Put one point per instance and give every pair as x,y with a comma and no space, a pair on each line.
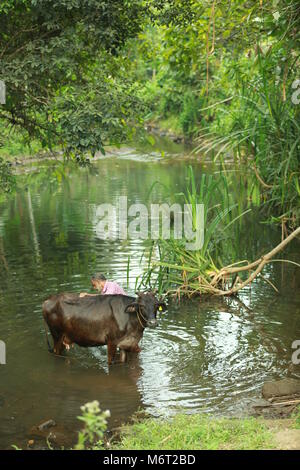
208,355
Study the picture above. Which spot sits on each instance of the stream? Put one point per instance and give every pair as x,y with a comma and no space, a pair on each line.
207,355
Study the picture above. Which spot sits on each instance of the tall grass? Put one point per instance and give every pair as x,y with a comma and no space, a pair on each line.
196,431
263,129
173,267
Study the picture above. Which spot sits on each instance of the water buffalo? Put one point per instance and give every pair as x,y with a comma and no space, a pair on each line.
116,320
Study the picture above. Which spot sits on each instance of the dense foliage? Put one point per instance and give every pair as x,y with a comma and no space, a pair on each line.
59,60
84,73
226,72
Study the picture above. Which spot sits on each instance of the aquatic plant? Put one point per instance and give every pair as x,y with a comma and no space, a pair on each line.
170,263
174,269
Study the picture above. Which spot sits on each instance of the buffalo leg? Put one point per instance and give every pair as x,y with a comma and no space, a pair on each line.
59,345
111,352
123,355
57,337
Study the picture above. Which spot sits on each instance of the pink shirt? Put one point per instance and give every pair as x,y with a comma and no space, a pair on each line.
112,288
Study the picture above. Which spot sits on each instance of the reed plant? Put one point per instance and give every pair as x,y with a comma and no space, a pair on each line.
260,127
170,266
215,268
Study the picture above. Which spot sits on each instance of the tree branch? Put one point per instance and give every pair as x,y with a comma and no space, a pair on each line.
258,264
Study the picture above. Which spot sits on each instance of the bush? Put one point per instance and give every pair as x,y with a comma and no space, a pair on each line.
7,180
189,115
95,425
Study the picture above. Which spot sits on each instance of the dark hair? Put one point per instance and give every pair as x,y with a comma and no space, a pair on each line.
98,277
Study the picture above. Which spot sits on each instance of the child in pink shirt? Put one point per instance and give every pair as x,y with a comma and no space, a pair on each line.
100,283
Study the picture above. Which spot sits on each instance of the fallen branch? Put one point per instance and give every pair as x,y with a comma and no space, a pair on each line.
285,403
258,264
193,279
284,398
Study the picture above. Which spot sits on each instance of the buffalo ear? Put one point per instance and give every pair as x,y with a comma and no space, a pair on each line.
162,307
132,308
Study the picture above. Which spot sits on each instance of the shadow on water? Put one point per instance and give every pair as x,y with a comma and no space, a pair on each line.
211,355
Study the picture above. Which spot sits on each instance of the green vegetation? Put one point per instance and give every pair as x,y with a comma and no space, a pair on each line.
262,129
297,418
181,432
63,76
16,144
191,432
7,180
179,267
227,77
172,265
83,74
95,424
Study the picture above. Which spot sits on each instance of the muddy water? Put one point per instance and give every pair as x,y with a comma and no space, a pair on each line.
210,355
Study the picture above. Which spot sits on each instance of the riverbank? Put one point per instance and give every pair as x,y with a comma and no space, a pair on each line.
271,422
200,432
168,128
14,151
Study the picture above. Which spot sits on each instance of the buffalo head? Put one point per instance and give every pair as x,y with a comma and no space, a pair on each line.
146,307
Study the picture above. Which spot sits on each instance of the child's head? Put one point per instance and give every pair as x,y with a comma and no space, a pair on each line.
98,281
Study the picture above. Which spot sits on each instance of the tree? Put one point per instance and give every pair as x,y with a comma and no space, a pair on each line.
58,60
